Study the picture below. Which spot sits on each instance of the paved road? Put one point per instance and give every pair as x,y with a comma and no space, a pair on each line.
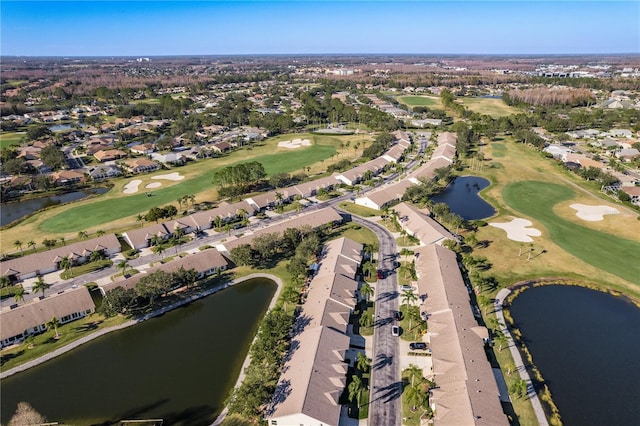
385,407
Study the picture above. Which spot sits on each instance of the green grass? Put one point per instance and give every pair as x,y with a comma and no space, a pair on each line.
8,139
618,256
498,149
103,211
85,269
45,342
359,210
496,108
427,101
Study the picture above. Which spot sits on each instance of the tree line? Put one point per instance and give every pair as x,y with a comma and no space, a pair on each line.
121,300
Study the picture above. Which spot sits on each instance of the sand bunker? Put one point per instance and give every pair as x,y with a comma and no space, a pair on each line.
170,176
517,230
593,213
153,185
296,143
132,187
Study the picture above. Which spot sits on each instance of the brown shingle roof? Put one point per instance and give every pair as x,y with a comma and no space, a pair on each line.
16,321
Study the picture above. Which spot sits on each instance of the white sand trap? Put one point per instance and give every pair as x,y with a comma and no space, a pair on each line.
593,213
296,143
132,187
517,230
170,176
153,185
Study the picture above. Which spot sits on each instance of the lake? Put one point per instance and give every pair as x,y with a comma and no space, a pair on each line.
15,210
179,367
462,197
586,345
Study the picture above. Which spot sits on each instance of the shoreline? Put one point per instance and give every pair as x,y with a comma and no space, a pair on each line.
44,358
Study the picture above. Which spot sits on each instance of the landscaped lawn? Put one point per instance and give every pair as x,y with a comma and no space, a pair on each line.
10,138
104,211
618,256
428,101
498,149
490,106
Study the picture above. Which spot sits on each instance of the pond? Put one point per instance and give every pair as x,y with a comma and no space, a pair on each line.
179,367
462,198
15,210
585,344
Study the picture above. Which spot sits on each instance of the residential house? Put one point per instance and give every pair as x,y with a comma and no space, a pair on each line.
43,262
140,165
168,158
109,155
106,171
68,177
467,393
143,149
21,321
419,224
627,154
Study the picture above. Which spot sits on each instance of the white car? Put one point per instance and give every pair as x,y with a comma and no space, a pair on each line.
395,331
407,287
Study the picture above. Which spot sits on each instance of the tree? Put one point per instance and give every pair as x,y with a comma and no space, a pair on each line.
140,218
356,390
242,255
501,340
83,235
18,244
362,362
63,241
118,301
52,157
26,415
18,294
54,323
519,388
415,396
100,232
65,263
49,243
408,297
32,244
40,285
366,290
484,302
123,264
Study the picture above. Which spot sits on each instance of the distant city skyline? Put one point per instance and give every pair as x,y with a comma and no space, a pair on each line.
164,28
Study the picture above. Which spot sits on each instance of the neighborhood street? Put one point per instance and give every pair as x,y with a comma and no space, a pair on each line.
386,387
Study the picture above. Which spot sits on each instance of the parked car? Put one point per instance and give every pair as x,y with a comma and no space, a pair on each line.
397,315
423,315
380,274
414,346
395,331
407,287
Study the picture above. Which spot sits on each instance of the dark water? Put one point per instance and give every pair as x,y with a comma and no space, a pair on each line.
14,211
462,198
179,367
587,347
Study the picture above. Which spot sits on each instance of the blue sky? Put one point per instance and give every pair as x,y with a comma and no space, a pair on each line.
150,28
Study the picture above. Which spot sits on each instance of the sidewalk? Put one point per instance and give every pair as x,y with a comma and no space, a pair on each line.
517,359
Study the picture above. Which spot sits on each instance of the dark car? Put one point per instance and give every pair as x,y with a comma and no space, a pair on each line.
417,346
380,274
397,315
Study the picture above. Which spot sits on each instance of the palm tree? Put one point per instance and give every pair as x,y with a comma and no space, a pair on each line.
54,323
140,219
18,244
362,362
415,396
218,222
484,302
160,250
408,297
192,199
501,339
63,241
180,200
100,232
65,263
123,264
40,285
83,235
19,293
366,290
32,244
278,198
356,390
368,268
414,372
